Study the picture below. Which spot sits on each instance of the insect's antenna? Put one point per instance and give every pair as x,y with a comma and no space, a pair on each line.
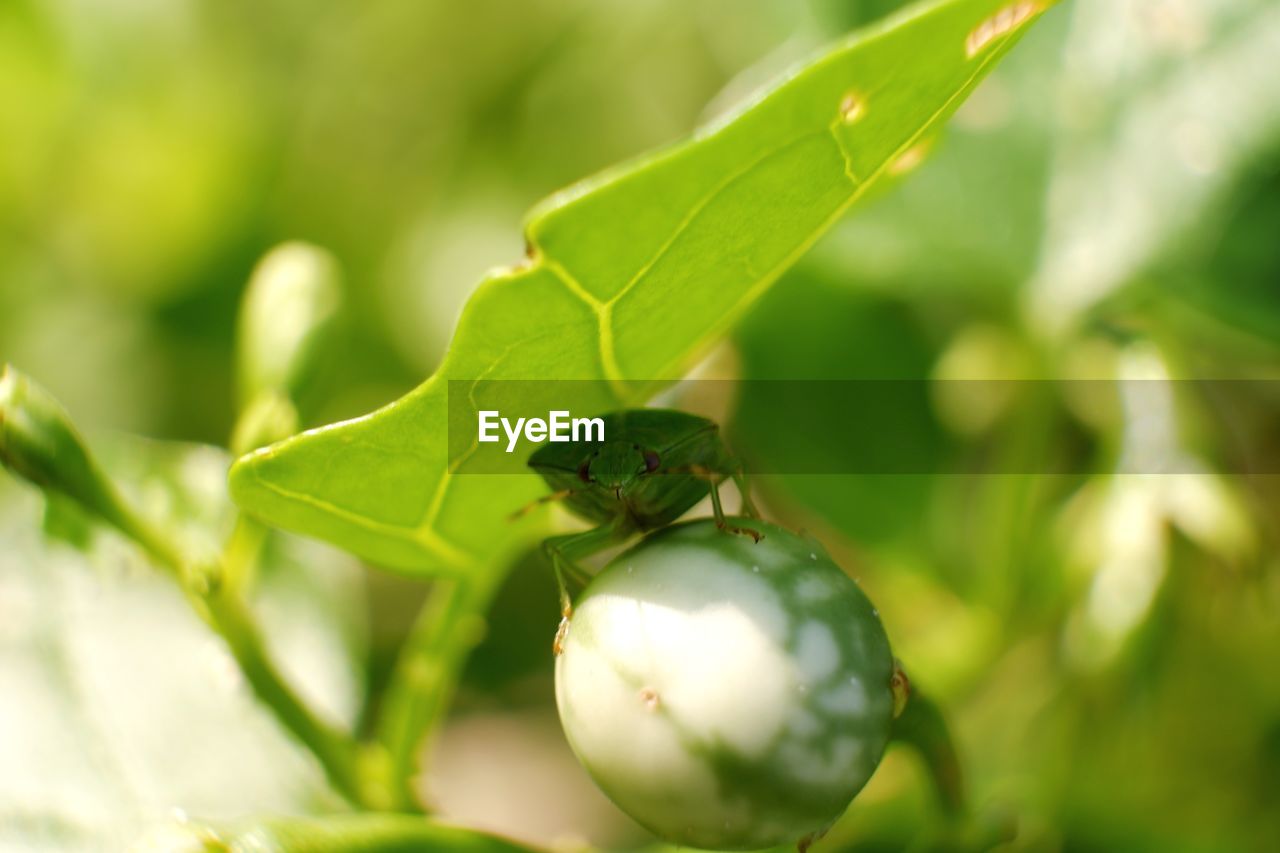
561,495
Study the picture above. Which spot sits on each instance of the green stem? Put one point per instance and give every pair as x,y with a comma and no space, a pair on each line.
923,727
426,673
216,597
359,833
40,443
229,615
1011,497
241,552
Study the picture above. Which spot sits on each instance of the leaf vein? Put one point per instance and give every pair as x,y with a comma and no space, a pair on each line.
989,58
451,553
572,284
696,210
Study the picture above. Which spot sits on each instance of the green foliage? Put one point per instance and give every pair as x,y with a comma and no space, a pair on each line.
846,336
629,276
1103,206
1149,145
995,587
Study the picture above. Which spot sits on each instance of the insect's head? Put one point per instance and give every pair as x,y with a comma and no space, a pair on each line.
618,464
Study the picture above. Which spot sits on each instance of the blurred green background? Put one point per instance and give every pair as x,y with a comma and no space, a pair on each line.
1106,206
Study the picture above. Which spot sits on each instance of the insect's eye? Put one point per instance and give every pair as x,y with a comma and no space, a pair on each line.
652,462
584,471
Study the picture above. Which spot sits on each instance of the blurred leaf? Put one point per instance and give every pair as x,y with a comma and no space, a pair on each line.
843,15
129,707
1235,279
1163,105
630,276
814,329
360,833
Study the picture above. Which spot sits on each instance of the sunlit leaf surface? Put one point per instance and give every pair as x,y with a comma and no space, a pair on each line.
633,273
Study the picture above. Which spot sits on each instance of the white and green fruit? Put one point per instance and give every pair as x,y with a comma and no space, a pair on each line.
724,693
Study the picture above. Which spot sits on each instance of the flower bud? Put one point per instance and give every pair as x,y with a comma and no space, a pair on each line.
39,442
292,295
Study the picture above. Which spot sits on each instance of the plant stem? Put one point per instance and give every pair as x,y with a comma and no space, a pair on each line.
215,595
362,833
229,615
450,624
923,727
40,443
241,552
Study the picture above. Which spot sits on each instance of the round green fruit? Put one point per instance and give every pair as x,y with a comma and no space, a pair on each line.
726,694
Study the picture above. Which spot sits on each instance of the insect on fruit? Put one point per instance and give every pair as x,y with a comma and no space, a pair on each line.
653,465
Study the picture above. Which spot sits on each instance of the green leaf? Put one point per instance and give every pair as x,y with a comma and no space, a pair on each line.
969,222
630,276
121,706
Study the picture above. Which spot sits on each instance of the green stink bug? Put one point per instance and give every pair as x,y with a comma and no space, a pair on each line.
651,468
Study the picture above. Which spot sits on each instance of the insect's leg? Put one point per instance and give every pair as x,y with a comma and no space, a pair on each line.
713,479
566,550
563,494
744,489
717,509
564,568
